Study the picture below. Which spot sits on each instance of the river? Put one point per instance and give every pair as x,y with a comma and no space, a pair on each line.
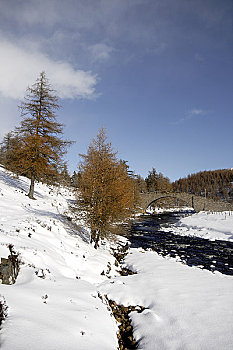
147,232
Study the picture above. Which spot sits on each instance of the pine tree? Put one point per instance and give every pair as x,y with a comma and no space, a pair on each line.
157,182
152,180
141,184
41,149
106,190
64,176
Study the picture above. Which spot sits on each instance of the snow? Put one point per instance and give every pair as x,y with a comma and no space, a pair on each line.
209,225
54,303
157,210
187,308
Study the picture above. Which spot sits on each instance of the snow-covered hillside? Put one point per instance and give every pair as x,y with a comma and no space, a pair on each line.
54,304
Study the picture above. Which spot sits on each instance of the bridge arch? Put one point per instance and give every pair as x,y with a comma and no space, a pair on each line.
198,203
167,202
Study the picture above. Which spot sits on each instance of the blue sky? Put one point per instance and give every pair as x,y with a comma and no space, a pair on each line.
157,74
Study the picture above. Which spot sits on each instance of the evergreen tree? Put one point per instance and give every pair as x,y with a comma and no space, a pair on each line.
64,175
216,184
106,190
10,144
141,184
41,149
152,180
157,182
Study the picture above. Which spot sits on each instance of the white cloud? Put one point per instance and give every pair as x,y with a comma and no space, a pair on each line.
100,52
20,67
191,115
194,112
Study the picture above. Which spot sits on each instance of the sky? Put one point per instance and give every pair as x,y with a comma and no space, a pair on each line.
157,74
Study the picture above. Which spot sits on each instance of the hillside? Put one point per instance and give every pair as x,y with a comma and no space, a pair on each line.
54,303
213,184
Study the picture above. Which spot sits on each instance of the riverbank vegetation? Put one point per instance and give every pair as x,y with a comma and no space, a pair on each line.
106,191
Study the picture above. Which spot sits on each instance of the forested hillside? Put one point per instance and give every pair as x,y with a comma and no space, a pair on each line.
216,184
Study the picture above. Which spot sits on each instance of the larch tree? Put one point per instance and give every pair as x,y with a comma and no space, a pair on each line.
106,192
41,147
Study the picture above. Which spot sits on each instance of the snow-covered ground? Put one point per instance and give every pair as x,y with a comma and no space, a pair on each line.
188,308
54,303
157,210
218,225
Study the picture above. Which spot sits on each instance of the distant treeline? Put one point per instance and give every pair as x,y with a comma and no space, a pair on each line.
216,184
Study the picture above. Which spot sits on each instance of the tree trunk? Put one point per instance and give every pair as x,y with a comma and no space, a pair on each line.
94,238
93,235
31,190
97,237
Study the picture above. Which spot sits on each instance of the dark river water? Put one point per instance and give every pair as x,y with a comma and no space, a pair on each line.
147,232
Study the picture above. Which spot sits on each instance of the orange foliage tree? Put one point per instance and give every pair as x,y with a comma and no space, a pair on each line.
106,190
39,150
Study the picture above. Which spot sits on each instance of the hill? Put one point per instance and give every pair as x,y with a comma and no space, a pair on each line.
54,303
213,184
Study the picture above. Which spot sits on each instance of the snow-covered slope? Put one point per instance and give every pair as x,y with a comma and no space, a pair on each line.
54,302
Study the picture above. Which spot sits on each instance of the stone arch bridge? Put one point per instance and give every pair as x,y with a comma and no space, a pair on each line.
198,203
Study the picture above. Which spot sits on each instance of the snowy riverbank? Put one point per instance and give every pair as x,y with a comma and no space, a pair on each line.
54,303
209,225
187,308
